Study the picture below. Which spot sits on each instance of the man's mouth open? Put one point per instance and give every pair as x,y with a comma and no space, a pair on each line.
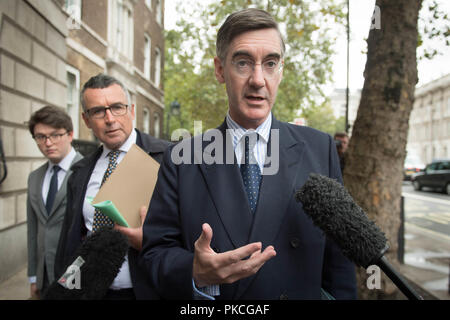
254,99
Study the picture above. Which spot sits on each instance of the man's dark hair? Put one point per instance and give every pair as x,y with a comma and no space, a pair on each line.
340,135
242,21
101,81
54,117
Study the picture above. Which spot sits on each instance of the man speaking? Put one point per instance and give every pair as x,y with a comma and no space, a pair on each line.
232,229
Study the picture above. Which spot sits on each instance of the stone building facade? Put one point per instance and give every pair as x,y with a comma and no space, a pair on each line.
124,38
429,123
48,49
33,73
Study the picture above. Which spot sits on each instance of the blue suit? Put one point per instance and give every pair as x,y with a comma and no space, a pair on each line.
188,195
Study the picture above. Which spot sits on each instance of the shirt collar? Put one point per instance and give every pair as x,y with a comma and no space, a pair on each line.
237,131
124,147
66,162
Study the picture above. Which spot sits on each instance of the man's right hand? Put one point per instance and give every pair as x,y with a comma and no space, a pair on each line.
211,268
34,292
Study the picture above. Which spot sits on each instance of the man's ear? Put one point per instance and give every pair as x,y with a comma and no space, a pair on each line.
70,135
218,68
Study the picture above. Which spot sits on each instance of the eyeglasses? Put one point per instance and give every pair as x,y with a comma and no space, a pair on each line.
118,109
245,67
54,137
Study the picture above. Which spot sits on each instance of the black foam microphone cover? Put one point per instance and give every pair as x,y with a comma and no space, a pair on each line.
97,261
334,211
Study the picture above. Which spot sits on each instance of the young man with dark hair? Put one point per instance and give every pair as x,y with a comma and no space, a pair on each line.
51,128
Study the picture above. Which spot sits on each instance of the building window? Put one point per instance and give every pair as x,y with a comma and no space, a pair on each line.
147,55
122,28
156,127
158,11
73,8
157,67
73,88
146,121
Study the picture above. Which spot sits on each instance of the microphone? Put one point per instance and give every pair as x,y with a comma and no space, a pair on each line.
99,259
333,210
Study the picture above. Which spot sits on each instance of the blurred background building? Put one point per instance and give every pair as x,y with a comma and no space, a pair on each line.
429,123
338,103
48,50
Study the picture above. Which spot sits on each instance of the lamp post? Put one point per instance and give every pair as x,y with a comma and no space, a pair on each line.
347,126
175,109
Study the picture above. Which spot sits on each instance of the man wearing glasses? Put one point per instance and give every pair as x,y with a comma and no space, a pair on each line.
108,112
51,128
239,233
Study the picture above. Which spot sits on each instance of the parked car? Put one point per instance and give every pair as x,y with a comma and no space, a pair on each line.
413,164
436,175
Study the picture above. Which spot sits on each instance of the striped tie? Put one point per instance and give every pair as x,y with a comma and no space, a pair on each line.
100,220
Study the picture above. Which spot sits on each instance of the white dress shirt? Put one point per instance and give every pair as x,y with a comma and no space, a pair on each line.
123,279
64,164
260,149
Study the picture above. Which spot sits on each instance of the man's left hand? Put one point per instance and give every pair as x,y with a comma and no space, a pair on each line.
134,234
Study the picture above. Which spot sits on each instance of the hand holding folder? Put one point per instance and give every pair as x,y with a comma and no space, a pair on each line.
109,209
128,188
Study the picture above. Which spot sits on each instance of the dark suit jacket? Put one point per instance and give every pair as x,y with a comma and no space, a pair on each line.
74,230
188,195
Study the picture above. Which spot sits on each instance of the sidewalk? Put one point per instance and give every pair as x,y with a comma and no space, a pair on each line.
427,262
16,287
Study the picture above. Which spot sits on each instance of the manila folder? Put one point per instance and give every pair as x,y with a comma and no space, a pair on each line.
131,185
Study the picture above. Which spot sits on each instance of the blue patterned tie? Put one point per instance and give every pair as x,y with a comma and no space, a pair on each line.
52,190
100,220
251,174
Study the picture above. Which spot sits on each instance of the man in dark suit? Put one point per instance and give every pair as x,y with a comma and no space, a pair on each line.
108,113
52,129
223,222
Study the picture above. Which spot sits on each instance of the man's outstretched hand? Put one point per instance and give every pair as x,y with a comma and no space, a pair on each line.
211,268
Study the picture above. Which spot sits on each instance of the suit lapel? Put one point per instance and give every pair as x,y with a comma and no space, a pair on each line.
60,195
36,189
226,190
276,192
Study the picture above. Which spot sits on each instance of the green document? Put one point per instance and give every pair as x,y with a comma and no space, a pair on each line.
109,209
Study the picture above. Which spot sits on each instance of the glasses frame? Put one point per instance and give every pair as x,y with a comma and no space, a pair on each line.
277,71
38,138
107,108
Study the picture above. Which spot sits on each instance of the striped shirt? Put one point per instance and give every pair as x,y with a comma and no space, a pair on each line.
260,149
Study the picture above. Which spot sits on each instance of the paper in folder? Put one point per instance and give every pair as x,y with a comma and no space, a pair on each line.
109,209
128,188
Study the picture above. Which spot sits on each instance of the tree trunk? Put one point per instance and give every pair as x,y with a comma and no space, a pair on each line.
374,161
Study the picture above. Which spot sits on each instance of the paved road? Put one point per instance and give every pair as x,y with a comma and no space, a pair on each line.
428,211
427,238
